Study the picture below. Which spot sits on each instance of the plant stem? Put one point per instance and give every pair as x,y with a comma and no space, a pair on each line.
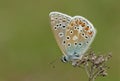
91,77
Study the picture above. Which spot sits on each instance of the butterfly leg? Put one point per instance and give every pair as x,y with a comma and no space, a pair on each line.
76,60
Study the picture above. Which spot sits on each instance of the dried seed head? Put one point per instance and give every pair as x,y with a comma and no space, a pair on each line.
99,60
97,64
104,73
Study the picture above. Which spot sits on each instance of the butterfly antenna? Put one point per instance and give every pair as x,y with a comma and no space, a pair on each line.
52,62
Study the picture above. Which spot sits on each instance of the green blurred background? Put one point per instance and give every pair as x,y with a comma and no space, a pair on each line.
27,45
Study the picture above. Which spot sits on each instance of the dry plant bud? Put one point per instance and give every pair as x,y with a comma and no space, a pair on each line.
94,65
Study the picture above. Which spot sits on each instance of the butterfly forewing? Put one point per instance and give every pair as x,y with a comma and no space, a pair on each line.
59,22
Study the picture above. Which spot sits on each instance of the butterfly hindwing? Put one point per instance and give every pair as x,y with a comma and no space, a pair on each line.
79,34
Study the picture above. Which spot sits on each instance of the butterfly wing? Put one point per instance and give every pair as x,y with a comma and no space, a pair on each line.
59,22
88,33
79,34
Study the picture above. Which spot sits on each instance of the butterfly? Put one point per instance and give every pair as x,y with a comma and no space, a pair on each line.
73,35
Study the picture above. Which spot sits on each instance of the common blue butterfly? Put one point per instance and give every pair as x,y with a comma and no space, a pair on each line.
73,35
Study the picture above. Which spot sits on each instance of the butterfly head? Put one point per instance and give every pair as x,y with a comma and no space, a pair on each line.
71,57
64,59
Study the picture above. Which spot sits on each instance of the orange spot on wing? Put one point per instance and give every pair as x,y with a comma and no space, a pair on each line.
72,23
77,22
90,33
83,24
87,28
80,22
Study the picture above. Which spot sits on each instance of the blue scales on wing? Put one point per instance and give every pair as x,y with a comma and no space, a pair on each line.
79,35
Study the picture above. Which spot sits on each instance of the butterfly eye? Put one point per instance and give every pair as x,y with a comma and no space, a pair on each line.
64,59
